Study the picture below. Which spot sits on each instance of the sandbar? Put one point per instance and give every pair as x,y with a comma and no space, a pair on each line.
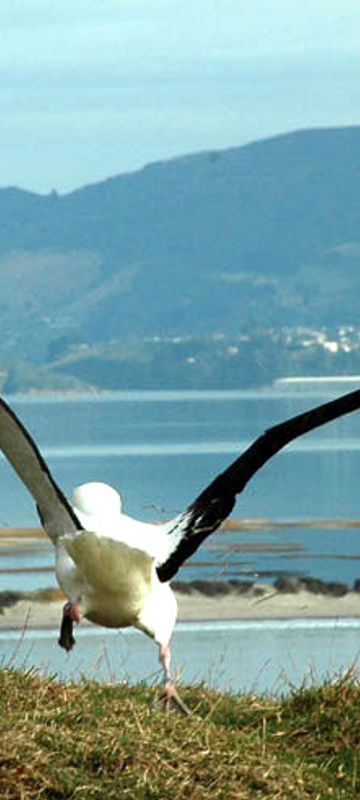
260,602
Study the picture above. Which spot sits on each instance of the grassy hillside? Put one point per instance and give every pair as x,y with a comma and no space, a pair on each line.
254,236
77,742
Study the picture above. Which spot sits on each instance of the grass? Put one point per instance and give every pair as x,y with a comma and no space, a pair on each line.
62,740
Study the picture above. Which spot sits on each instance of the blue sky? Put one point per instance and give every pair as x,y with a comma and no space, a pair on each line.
93,88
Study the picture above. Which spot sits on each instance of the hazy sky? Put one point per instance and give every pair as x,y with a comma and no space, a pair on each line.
92,88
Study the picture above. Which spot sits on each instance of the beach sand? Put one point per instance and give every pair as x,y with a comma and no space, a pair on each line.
196,606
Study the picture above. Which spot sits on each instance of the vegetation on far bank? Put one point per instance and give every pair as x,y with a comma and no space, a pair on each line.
61,741
249,359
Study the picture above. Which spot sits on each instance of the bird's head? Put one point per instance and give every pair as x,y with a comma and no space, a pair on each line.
96,498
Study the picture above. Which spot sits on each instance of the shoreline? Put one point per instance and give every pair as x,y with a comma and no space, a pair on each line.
198,600
275,384
14,535
260,602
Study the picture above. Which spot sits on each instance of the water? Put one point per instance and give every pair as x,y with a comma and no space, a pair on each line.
162,448
257,656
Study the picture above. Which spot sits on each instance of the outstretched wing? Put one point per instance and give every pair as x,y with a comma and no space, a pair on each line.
215,503
55,512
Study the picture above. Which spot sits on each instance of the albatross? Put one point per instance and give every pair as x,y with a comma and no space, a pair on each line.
114,569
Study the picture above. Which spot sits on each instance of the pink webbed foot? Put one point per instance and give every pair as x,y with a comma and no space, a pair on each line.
170,700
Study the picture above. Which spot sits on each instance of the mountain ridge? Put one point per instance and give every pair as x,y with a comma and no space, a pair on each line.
262,235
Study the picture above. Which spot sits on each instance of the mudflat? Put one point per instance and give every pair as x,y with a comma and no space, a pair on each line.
259,602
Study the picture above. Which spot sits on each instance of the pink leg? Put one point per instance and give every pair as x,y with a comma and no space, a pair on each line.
169,697
165,661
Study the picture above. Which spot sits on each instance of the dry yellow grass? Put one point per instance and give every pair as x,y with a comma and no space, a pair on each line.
90,741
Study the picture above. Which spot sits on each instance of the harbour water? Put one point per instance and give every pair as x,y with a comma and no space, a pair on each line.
270,657
162,448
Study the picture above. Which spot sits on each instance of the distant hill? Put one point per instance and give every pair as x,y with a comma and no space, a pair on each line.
266,234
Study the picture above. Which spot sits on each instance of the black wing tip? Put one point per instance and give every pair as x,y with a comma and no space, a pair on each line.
217,500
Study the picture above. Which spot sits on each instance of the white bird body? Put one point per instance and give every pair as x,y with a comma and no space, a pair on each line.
109,567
